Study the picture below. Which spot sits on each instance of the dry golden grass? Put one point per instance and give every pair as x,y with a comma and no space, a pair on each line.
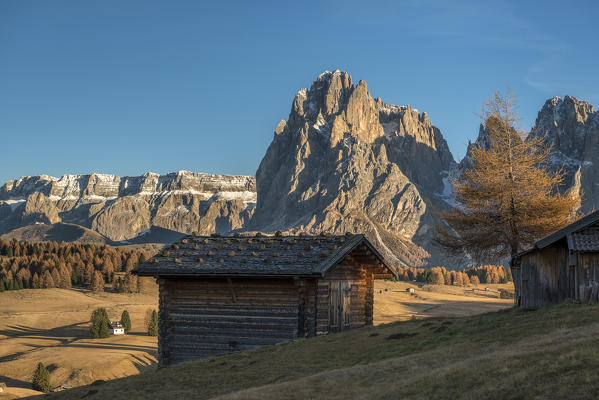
51,326
546,354
17,393
393,302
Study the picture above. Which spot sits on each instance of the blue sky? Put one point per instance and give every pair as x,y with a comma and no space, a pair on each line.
126,87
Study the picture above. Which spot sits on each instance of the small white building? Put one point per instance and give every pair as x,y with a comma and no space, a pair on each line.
117,328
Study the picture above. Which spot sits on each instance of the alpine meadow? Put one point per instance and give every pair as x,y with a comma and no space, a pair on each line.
308,200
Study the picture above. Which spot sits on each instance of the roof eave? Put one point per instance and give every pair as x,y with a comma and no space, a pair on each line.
339,257
567,230
158,274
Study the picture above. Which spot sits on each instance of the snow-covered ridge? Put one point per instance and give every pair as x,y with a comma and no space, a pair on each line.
106,187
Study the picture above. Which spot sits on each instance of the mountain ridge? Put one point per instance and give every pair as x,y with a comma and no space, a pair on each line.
121,208
342,161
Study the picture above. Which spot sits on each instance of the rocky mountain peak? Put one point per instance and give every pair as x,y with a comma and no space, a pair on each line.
345,161
571,127
562,123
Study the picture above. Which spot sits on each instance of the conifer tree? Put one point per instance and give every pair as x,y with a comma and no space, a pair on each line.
153,324
41,379
100,324
48,281
507,199
130,283
126,320
97,282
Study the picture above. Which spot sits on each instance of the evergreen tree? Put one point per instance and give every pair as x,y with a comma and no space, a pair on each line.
153,324
41,379
437,277
100,324
126,321
97,284
130,283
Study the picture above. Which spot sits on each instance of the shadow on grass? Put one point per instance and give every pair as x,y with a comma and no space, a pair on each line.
63,333
66,336
10,382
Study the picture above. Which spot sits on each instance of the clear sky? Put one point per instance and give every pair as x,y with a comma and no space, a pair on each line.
126,87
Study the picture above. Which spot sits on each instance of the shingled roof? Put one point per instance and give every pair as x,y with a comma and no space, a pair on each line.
575,226
259,255
581,235
584,240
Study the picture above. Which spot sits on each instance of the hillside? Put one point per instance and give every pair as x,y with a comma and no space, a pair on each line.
52,326
59,232
549,354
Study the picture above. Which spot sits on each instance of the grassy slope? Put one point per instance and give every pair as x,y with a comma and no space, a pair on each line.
549,353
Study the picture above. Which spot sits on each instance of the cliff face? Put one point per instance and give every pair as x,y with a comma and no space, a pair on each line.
121,208
571,127
344,161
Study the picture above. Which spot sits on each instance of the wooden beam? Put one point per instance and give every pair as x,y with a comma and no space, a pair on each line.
232,290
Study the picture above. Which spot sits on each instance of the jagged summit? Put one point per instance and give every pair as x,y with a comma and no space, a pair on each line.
571,127
344,161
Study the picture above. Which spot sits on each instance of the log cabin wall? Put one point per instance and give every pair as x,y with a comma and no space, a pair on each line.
586,273
544,278
307,306
351,276
212,316
162,325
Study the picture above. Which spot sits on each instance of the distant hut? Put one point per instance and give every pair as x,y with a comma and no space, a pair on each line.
117,328
223,294
563,265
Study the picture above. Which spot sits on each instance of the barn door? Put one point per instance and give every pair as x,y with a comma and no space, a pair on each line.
339,305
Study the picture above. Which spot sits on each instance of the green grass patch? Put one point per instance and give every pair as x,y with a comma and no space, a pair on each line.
433,341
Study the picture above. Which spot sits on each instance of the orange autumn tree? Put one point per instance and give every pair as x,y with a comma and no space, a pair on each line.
507,198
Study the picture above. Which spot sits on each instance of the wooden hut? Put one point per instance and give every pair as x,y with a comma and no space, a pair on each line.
225,294
563,265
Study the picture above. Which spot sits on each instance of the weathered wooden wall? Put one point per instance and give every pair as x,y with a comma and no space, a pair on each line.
307,307
544,277
586,274
211,316
359,280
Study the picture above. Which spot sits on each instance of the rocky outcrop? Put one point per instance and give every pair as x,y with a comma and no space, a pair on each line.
571,127
345,162
122,208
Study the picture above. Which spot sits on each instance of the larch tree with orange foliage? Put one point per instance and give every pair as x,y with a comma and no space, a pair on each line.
506,199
